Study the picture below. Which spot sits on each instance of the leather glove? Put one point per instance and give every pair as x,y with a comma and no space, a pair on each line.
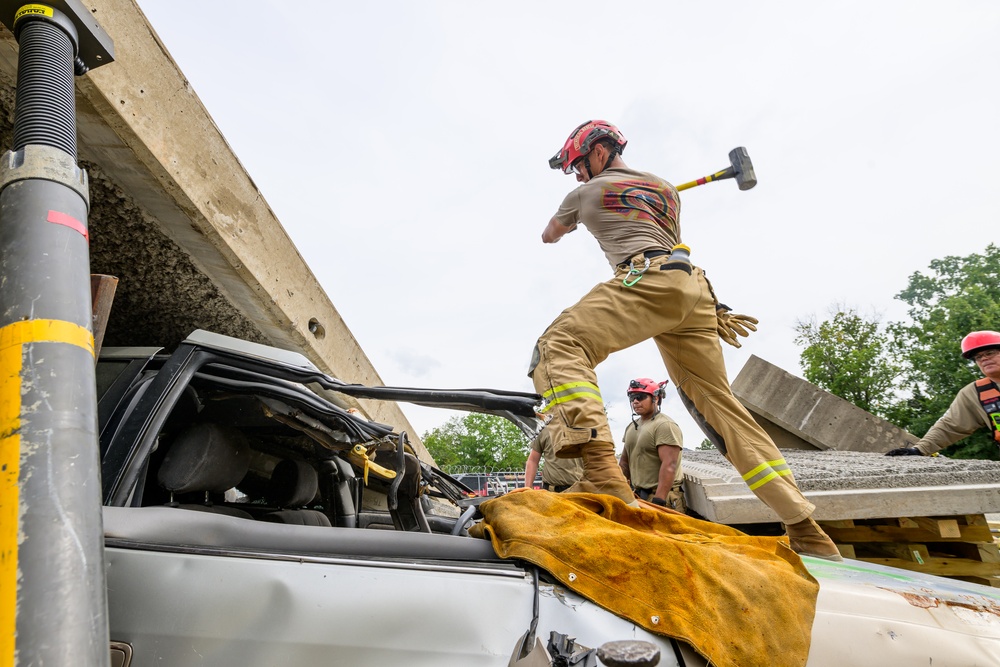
731,325
656,500
904,451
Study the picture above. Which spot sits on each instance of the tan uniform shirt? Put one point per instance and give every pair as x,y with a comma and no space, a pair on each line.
641,446
555,471
963,417
627,211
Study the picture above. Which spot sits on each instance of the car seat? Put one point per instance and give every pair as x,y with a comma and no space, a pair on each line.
205,458
293,485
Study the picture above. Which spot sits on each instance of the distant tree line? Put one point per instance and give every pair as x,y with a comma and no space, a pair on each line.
477,442
908,372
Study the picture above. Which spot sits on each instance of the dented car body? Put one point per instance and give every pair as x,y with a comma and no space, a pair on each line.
251,519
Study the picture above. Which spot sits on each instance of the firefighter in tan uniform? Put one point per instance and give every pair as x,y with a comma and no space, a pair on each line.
634,217
977,404
651,459
558,474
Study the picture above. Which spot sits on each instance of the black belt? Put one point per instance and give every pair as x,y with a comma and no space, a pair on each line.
557,487
651,490
648,254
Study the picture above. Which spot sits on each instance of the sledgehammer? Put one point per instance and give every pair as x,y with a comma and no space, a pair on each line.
741,169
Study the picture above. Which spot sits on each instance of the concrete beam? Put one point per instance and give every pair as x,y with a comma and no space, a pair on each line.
848,485
811,415
947,500
197,227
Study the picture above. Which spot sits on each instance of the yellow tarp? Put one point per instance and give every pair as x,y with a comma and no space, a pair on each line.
739,600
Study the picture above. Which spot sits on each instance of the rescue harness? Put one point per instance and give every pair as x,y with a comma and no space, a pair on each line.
989,397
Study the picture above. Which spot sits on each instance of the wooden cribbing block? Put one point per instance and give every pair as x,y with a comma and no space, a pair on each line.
984,553
943,567
102,294
899,534
917,553
847,550
939,527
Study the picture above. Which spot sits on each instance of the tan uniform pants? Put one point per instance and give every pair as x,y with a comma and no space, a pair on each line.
677,310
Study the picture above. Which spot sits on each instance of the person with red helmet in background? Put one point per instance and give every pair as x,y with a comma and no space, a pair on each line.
655,293
976,406
651,459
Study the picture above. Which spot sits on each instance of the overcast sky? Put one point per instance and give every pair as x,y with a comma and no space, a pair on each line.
404,147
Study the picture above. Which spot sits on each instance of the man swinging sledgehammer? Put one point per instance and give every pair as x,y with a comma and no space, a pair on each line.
656,293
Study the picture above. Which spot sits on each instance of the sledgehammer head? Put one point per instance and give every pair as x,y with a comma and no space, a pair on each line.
742,168
739,168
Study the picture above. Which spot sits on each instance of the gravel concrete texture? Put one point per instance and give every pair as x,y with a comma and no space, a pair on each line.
848,485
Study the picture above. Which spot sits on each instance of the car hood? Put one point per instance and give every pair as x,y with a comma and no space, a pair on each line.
868,614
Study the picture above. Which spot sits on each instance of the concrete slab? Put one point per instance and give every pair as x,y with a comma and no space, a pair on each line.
848,485
176,217
797,413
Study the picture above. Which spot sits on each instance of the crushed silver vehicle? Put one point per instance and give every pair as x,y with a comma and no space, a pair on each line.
251,519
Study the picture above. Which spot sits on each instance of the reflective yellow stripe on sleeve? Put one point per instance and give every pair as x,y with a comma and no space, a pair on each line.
570,391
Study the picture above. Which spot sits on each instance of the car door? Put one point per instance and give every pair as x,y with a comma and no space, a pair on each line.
190,588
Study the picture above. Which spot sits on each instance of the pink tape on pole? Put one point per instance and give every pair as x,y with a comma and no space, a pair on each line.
60,218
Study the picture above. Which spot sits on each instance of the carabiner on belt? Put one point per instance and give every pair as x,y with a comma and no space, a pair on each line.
632,271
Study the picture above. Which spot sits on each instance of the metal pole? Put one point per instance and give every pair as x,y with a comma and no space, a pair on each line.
53,604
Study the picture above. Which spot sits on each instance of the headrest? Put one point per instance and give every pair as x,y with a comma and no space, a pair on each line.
293,484
205,457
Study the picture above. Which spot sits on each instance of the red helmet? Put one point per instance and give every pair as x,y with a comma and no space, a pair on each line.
581,141
978,341
648,386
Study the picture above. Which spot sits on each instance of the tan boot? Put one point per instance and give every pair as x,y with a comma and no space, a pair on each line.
807,539
601,474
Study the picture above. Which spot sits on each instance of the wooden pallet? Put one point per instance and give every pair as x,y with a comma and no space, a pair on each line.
961,547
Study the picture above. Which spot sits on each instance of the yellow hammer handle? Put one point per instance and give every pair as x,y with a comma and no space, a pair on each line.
717,176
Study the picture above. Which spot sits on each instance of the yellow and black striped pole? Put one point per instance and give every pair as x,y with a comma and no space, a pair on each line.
53,605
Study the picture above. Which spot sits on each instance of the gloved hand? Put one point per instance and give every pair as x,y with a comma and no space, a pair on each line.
731,325
904,451
656,500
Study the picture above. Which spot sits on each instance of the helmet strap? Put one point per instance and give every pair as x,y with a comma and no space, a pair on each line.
612,153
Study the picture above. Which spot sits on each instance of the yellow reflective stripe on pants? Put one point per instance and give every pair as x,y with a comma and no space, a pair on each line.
677,310
570,391
766,472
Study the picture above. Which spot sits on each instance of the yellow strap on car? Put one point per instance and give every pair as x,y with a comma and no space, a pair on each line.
359,457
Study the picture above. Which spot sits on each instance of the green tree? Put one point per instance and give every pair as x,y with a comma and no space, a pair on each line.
850,356
477,441
705,445
909,372
957,295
